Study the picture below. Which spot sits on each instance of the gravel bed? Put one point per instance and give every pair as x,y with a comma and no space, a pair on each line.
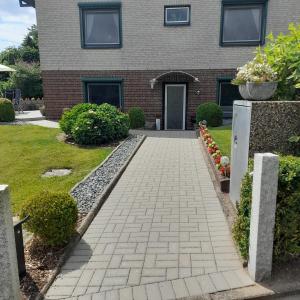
92,187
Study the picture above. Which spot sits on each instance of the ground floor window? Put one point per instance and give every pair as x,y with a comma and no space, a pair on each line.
226,94
101,91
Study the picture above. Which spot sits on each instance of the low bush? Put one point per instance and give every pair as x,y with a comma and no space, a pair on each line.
136,117
70,116
287,222
91,124
93,128
211,112
53,217
7,112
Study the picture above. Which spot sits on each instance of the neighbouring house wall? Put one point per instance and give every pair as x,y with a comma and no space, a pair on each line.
272,124
147,44
63,89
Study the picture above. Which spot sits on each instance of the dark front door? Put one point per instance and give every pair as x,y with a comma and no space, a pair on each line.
175,106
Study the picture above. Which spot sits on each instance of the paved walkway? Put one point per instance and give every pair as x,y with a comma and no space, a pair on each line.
160,235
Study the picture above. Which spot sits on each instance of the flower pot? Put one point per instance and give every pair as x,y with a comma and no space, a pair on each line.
258,91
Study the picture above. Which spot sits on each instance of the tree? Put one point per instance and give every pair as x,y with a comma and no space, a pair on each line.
26,61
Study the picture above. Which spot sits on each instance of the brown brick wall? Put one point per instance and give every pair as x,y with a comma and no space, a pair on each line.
63,89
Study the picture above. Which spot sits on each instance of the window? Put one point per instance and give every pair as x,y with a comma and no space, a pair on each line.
102,90
177,15
100,25
227,93
243,24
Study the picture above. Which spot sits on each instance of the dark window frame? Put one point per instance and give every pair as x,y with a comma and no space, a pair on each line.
104,81
188,23
245,3
221,80
83,7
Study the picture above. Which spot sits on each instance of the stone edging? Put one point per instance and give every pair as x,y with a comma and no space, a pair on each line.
90,216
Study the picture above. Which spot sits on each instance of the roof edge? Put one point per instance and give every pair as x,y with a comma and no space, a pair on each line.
27,3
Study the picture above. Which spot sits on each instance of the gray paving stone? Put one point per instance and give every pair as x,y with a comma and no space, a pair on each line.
139,293
162,221
180,288
153,292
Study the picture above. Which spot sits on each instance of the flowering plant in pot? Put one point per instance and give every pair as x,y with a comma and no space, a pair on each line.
256,79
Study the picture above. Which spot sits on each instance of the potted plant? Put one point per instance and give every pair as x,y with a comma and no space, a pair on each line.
256,79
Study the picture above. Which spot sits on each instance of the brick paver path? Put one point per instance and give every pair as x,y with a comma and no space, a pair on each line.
161,234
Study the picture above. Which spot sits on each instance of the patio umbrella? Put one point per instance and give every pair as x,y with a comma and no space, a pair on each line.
6,69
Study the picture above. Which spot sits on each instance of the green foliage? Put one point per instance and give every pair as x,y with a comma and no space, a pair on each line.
27,78
7,112
93,128
25,60
10,56
91,124
295,144
53,217
283,54
287,222
70,116
211,112
136,117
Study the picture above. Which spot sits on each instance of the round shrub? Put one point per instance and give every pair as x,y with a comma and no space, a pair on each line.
211,112
93,128
53,217
136,117
70,116
7,112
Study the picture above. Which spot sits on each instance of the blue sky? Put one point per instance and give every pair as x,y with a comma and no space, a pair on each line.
14,22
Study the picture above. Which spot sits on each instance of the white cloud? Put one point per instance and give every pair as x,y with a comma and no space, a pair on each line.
14,22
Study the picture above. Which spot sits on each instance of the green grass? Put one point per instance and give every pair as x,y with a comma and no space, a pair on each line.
222,136
26,152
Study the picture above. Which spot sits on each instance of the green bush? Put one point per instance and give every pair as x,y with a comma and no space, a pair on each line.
211,112
93,128
136,117
287,222
53,217
283,54
70,116
7,112
91,124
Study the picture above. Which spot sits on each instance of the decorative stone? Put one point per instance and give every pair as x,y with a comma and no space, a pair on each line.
263,210
9,277
57,173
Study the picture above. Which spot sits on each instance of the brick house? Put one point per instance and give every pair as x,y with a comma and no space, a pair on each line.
165,56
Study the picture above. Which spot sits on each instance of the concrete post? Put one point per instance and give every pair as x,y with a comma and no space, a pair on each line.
9,277
264,194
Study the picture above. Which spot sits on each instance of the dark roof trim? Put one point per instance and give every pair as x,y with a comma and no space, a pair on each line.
27,3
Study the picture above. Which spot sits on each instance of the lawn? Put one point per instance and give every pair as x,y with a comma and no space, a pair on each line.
26,152
222,136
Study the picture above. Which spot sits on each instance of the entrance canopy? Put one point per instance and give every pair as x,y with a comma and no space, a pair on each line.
6,69
156,79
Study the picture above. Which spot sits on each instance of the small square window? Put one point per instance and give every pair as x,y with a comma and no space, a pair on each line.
100,25
243,24
177,15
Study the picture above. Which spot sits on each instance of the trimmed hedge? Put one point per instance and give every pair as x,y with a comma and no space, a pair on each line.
287,223
211,113
92,124
53,217
136,117
7,112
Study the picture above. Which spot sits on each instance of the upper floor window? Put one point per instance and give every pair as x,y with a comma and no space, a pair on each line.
177,15
100,25
243,22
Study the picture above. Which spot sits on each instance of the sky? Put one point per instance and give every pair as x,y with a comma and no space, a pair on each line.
14,21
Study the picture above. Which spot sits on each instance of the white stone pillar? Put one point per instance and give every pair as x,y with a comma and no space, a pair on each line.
263,209
9,277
